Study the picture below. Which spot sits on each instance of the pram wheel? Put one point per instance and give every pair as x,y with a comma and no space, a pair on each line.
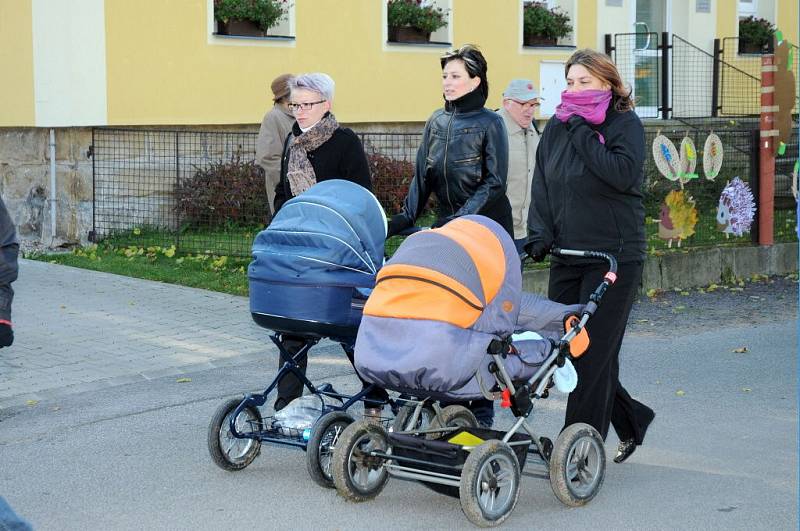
454,417
227,451
325,436
359,476
578,465
489,487
402,421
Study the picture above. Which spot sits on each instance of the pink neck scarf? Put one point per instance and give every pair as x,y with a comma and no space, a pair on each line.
590,104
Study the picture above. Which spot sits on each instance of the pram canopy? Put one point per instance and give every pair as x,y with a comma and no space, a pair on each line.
332,234
320,247
440,301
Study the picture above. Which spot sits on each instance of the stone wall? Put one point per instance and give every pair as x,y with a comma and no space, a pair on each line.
25,183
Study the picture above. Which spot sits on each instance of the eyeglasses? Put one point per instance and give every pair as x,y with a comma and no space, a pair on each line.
526,106
306,106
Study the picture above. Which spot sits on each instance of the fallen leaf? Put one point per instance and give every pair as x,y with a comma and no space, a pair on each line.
740,350
684,293
183,380
746,389
32,402
680,392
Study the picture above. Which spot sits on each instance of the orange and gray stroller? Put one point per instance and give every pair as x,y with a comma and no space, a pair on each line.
439,325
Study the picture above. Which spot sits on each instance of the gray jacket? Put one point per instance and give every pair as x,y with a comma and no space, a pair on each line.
275,127
522,144
9,249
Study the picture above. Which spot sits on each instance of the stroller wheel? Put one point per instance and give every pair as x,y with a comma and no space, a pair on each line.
578,465
402,421
227,451
357,474
489,487
324,437
454,417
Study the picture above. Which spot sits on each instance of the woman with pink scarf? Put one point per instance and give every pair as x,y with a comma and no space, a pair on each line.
587,195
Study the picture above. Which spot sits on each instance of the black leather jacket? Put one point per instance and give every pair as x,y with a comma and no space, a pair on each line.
463,159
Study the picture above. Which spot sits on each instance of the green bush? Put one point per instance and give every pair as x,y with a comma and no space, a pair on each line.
265,13
415,14
225,194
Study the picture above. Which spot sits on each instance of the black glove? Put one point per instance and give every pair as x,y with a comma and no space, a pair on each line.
536,249
6,335
396,224
574,121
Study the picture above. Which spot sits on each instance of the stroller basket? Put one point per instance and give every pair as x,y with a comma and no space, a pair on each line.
444,457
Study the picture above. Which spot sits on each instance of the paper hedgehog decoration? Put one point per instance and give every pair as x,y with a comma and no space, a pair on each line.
666,157
736,208
678,217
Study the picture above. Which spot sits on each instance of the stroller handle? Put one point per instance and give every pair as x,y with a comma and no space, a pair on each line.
594,299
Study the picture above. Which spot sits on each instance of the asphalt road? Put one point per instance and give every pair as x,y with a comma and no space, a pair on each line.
721,453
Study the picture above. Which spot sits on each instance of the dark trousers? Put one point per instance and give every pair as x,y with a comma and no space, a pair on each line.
290,387
599,399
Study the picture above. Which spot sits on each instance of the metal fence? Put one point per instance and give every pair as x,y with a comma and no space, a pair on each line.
673,78
203,193
748,65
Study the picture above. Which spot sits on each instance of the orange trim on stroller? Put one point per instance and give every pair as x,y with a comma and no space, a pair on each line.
422,293
484,248
579,343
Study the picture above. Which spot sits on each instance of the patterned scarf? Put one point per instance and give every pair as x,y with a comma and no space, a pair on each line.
300,172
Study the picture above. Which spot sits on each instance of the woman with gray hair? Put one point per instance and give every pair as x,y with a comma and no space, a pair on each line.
316,150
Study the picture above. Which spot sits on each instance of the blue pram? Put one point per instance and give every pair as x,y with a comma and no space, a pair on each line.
311,273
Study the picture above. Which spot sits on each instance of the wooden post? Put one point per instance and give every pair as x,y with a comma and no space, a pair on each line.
766,182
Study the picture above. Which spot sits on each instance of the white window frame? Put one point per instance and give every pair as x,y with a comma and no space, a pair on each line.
431,47
246,40
561,46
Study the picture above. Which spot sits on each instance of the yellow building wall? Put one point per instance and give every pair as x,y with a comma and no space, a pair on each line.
788,20
161,68
17,106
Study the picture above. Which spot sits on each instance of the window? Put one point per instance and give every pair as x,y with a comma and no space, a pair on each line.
240,31
435,14
550,23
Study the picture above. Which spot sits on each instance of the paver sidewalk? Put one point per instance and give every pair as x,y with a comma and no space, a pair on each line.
77,330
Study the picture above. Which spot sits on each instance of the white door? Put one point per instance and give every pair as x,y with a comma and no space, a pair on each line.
650,19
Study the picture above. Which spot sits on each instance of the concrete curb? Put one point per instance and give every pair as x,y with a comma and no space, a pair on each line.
699,267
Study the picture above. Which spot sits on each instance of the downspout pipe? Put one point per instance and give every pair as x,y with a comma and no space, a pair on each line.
52,185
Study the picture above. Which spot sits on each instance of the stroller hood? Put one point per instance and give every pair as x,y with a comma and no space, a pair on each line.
436,306
333,234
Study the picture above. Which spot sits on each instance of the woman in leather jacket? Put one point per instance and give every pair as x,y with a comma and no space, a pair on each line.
463,159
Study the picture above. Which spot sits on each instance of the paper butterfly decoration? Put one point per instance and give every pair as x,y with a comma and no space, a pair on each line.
678,217
736,209
666,157
688,161
712,156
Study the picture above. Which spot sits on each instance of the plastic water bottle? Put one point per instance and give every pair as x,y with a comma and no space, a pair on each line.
298,416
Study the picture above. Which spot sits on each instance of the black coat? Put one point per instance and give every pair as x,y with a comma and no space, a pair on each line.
463,159
586,194
9,249
340,157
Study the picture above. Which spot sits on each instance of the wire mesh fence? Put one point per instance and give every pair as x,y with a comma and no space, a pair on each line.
741,76
638,59
202,192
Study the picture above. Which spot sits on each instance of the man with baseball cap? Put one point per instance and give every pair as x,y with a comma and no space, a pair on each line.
275,127
520,102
